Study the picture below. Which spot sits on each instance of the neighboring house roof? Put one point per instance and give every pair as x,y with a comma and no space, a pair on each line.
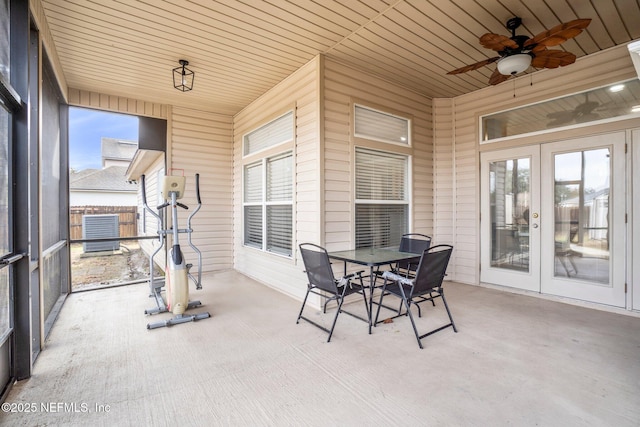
118,149
111,178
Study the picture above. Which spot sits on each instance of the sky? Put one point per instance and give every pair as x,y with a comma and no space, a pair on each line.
87,127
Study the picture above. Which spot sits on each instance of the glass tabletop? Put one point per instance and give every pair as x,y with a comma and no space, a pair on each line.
372,256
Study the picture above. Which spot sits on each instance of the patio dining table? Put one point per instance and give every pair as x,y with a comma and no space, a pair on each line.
372,257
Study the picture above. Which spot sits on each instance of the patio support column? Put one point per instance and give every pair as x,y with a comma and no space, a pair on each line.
20,40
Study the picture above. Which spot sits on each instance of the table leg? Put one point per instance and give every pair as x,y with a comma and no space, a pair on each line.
371,288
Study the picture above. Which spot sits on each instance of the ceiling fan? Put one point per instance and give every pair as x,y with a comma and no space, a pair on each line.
517,53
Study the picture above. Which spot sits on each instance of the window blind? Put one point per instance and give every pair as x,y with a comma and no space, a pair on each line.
275,132
279,178
253,183
380,175
376,125
379,225
382,207
253,226
279,229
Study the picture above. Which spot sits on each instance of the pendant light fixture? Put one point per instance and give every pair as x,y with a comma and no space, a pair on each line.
183,77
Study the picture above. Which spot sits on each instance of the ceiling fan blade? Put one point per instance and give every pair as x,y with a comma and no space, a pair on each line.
552,59
586,107
497,78
583,118
497,42
559,118
559,34
475,66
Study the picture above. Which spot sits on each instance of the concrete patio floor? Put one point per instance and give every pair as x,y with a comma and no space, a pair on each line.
517,360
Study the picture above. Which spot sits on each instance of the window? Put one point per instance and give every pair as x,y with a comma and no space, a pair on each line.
273,133
268,187
382,199
380,126
612,102
268,204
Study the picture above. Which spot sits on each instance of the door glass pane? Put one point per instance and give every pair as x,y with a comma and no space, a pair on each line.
510,198
581,215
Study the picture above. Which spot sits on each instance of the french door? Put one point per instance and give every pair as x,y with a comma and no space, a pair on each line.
510,218
553,218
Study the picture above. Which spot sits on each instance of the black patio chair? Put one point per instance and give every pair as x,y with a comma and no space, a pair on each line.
413,243
323,282
425,286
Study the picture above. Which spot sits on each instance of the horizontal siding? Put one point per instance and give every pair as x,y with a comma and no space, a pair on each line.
598,69
300,93
443,174
342,86
202,142
117,104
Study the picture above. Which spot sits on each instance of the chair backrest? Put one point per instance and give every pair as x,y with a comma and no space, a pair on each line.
318,267
432,268
414,243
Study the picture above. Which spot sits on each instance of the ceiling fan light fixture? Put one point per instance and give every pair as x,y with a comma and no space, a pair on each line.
514,64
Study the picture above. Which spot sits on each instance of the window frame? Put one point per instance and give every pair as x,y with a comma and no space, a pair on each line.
386,112
265,125
406,201
262,157
483,126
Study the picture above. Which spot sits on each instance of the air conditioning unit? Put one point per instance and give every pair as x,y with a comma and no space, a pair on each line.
99,227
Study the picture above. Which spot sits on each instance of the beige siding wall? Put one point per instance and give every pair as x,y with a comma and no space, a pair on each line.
342,87
443,172
457,124
324,91
201,142
300,93
117,104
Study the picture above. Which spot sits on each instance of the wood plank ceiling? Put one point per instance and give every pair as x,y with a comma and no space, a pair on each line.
240,49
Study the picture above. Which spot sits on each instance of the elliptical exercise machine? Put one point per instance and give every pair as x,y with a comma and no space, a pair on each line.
177,272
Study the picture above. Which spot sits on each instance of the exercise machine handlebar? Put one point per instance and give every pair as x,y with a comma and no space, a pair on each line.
198,188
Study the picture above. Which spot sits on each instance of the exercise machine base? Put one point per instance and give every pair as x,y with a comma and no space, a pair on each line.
180,318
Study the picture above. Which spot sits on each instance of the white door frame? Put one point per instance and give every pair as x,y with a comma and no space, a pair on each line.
634,247
612,293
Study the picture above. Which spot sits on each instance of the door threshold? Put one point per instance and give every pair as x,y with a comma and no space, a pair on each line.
565,300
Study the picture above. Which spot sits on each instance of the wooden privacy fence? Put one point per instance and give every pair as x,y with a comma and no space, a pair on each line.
127,217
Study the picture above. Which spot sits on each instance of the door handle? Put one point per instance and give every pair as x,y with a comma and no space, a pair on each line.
534,225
